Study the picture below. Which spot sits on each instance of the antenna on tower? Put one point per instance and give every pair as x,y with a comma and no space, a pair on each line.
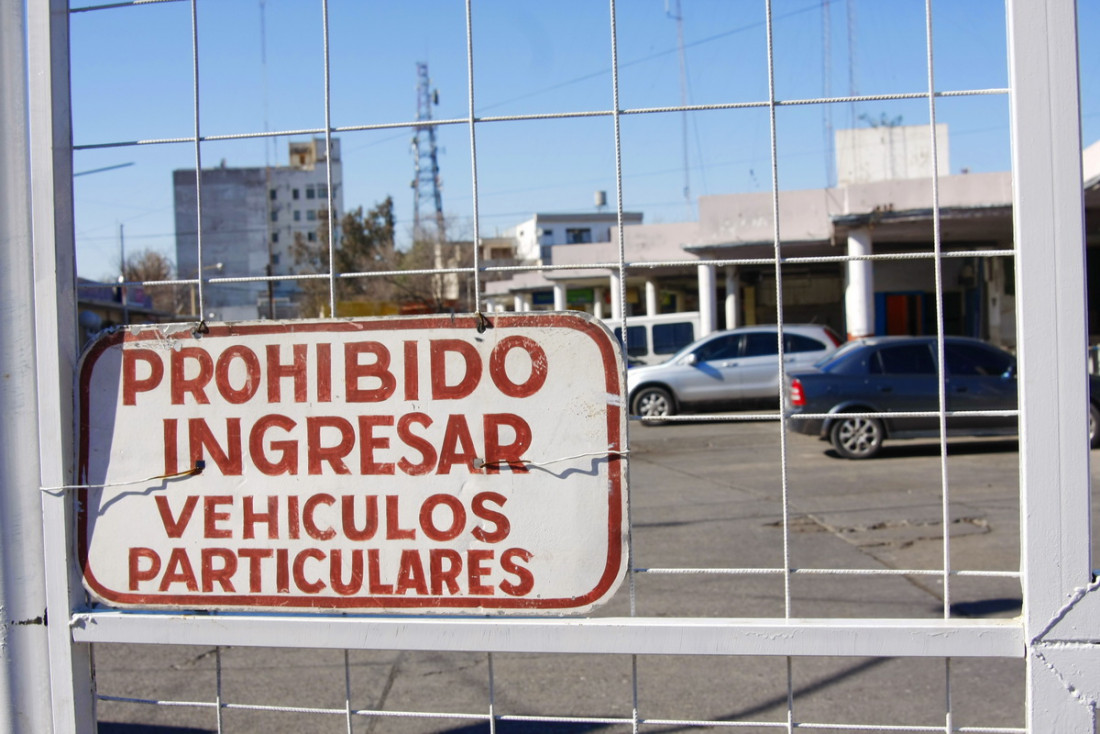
426,181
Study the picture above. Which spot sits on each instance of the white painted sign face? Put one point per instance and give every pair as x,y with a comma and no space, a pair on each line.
403,464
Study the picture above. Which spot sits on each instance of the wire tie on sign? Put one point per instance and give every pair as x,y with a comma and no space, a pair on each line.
482,323
192,472
480,463
201,329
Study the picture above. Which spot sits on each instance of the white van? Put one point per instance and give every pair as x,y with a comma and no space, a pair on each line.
653,339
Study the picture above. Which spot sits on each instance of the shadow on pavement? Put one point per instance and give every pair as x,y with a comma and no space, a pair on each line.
532,727
109,727
987,608
777,702
903,450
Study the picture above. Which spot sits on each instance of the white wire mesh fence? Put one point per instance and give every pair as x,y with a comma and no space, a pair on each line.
738,611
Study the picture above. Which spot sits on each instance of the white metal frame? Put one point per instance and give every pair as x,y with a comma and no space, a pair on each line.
1060,628
1061,634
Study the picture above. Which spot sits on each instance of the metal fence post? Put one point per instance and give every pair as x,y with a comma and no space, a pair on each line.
1049,232
54,308
24,669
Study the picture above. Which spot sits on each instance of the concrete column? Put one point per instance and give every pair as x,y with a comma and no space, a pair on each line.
859,292
597,302
708,302
733,297
994,289
560,300
616,296
652,308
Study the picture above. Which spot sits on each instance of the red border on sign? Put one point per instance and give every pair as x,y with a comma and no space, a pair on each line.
614,560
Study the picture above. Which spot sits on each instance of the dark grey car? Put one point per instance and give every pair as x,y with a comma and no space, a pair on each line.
899,375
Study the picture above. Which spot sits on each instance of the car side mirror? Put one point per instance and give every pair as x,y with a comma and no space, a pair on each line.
691,360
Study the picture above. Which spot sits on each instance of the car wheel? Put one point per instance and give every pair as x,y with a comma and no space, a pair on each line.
856,438
1094,426
653,402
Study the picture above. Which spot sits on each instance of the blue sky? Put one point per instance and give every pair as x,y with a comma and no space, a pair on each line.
132,80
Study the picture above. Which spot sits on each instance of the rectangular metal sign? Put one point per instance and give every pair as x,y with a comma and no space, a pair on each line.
413,464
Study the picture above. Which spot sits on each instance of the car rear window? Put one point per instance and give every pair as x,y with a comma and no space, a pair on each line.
903,359
850,359
799,343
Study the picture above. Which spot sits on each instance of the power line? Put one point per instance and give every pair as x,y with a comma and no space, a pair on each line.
101,170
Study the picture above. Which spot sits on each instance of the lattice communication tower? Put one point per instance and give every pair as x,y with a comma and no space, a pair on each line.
426,182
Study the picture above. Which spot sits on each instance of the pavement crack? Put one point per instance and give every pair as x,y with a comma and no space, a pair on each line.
196,659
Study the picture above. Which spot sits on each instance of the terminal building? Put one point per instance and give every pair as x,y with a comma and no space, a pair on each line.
883,205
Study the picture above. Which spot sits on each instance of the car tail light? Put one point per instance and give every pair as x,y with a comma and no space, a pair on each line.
798,398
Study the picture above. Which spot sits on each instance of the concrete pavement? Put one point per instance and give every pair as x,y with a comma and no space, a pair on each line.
703,496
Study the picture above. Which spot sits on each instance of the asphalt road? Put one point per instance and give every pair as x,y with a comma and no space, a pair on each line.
703,496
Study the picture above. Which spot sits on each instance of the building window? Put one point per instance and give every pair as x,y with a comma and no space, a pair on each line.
578,236
274,215
322,191
297,216
274,237
311,236
311,215
310,192
275,258
294,194
273,192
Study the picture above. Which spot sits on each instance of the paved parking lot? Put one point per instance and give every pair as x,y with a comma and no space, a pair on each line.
882,513
704,496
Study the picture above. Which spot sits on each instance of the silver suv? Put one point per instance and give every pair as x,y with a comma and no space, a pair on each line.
726,369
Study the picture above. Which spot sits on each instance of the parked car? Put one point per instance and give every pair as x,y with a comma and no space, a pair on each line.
725,369
899,374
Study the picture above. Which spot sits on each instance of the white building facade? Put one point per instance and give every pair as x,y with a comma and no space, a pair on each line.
536,237
883,207
854,296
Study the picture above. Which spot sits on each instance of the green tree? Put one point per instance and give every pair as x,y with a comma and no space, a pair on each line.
405,278
366,246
